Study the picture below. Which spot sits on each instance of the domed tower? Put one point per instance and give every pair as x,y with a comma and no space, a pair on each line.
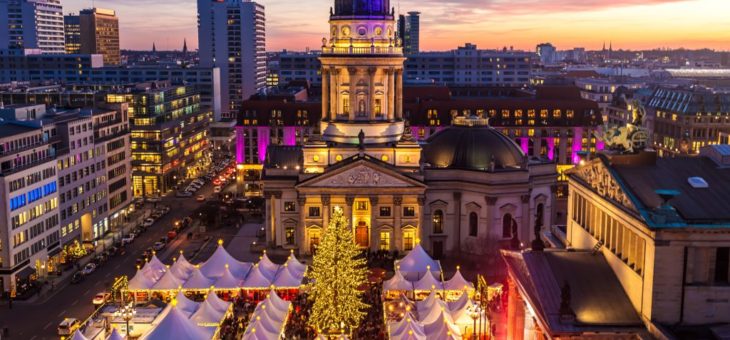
362,75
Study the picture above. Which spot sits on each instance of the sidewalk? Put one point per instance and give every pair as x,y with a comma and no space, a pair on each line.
60,282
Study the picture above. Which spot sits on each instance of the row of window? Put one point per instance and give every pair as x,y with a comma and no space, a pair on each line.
385,211
36,194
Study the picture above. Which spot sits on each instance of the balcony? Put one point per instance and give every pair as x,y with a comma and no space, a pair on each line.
352,50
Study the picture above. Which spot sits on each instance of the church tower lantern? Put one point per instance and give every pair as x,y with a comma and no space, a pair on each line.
362,75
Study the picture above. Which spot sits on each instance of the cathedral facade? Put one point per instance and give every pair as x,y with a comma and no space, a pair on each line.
466,189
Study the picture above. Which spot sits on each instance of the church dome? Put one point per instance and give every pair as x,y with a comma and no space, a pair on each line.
471,144
358,8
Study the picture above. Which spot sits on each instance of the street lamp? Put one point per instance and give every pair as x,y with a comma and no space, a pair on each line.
474,314
127,313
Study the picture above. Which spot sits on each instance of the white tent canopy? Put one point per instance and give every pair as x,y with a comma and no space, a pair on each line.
168,282
442,328
198,281
185,305
257,279
216,264
295,266
115,335
414,265
211,311
140,281
407,329
287,279
397,282
176,326
182,268
457,282
428,282
267,267
227,281
79,336
268,318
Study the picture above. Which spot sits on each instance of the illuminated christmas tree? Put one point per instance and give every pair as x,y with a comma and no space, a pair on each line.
337,271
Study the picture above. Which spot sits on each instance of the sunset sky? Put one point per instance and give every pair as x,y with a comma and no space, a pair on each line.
297,24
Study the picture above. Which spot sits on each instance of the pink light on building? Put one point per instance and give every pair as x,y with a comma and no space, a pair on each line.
577,144
525,145
240,145
551,148
290,135
263,139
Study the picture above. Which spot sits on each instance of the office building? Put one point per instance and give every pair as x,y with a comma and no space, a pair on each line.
100,34
232,38
469,66
169,134
547,53
409,28
293,66
36,24
72,34
29,226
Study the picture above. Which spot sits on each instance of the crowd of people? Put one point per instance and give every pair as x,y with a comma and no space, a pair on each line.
297,328
372,326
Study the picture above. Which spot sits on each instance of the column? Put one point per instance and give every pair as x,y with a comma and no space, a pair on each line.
371,92
457,222
527,233
397,220
399,94
326,211
564,156
374,237
325,93
537,143
515,312
269,215
275,231
420,212
334,97
494,228
301,205
391,94
349,200
353,96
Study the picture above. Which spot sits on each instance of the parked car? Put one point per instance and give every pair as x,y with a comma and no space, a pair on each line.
68,326
88,268
171,234
101,298
164,209
77,277
183,194
200,198
156,215
191,189
159,246
217,189
148,223
154,199
198,182
128,239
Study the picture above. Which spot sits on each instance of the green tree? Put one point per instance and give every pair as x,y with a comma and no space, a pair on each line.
337,272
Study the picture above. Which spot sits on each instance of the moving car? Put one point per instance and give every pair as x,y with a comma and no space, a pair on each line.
128,239
88,269
148,223
101,298
183,194
200,198
68,326
159,246
217,189
77,277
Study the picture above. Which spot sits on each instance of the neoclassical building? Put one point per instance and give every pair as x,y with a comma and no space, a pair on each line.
467,188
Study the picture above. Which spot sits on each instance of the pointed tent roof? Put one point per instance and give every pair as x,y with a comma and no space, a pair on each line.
215,265
397,282
408,328
277,302
428,282
79,336
459,309
176,326
442,328
115,335
457,282
168,282
228,281
258,329
267,267
428,302
286,279
185,305
293,264
155,264
256,279
432,313
140,281
211,311
182,268
198,281
416,263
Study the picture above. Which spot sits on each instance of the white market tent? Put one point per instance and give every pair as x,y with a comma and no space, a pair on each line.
221,271
211,311
457,282
269,318
115,335
407,328
79,336
175,325
397,282
442,328
428,282
416,263
185,305
182,268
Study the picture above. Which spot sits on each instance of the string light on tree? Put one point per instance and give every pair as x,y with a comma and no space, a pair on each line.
337,272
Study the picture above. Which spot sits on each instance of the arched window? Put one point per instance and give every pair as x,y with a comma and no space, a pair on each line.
438,222
540,220
473,224
507,223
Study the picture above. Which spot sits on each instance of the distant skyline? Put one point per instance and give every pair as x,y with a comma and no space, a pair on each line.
446,24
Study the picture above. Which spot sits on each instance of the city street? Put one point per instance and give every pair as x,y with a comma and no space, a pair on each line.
39,320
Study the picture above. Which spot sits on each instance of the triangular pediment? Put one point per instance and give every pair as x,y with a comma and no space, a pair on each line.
602,180
361,174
